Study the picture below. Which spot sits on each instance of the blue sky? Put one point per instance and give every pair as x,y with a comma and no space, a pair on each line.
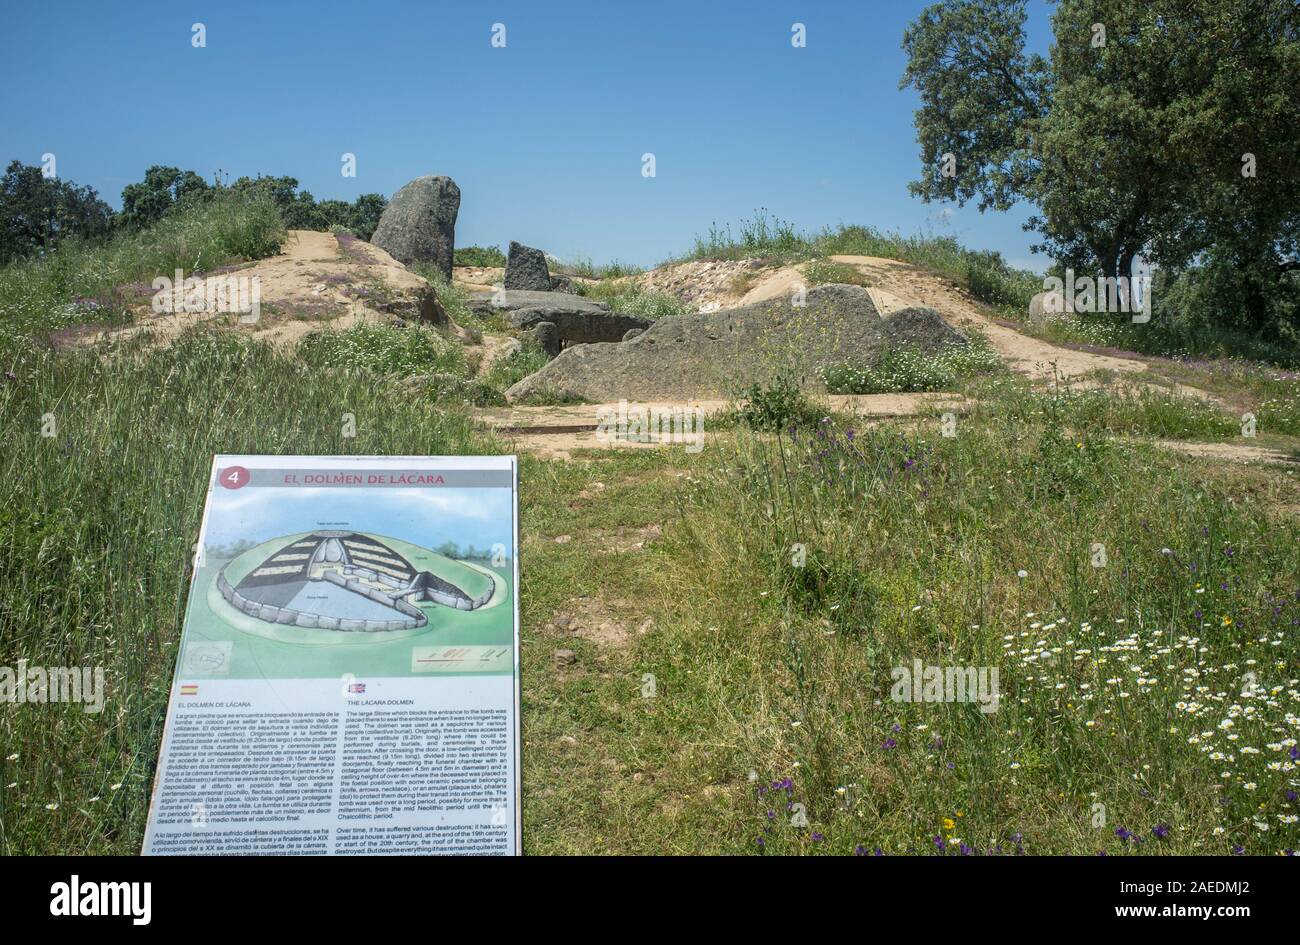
544,137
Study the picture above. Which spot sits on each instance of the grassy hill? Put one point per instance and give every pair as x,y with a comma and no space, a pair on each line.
736,617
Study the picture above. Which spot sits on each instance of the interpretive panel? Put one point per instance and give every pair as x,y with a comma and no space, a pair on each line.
348,674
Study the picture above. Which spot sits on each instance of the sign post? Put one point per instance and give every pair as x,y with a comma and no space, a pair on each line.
348,674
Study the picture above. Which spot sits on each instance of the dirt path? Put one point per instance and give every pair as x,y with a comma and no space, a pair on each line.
494,348
555,432
899,284
1231,452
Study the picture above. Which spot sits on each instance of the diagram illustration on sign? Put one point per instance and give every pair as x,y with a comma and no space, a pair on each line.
350,582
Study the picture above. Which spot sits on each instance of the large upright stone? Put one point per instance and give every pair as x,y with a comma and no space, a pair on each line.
526,269
419,223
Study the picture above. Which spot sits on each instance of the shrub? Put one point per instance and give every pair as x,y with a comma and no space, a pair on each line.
907,370
509,370
777,405
478,256
384,349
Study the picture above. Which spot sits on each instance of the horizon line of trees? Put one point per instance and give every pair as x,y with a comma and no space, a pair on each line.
38,212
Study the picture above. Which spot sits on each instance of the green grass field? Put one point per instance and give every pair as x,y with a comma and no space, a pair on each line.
739,612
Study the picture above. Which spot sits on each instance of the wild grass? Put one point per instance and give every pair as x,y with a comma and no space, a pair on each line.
514,367
823,272
1124,411
627,298
583,266
96,524
1123,677
83,282
1273,395
384,349
1148,703
985,274
455,301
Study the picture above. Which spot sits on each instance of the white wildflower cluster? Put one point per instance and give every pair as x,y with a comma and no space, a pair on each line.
1244,724
908,370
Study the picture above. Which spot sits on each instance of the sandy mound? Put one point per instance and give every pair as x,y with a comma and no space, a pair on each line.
316,280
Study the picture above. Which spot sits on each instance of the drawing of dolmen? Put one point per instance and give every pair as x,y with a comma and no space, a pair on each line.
351,581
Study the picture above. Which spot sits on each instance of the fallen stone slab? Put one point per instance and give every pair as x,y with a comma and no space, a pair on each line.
510,299
720,353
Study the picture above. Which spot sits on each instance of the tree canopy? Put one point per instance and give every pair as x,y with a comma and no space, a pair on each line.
1169,130
37,211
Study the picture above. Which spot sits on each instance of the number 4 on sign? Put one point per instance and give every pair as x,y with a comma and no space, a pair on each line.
234,477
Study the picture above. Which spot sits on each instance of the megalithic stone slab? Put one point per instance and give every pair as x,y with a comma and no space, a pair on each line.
419,223
526,269
717,353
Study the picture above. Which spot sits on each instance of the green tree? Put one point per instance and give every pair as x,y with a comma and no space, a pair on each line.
144,203
366,211
1129,138
301,211
36,212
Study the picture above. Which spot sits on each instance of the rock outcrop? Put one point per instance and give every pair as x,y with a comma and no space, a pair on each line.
526,269
576,320
576,327
545,336
511,299
718,353
419,223
1046,304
